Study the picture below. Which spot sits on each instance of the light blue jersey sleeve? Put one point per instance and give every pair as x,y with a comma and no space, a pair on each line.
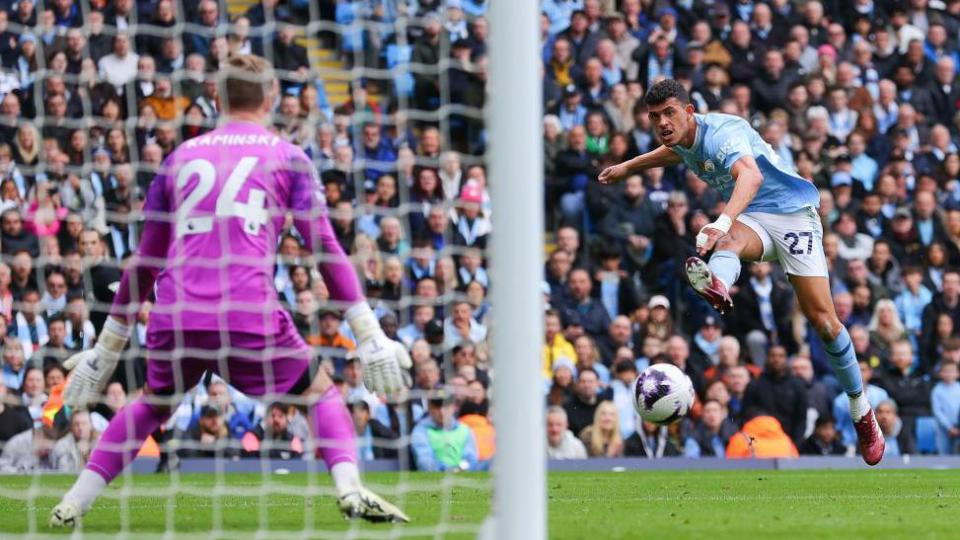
724,139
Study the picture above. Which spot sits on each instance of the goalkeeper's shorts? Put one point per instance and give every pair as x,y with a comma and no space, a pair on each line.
254,364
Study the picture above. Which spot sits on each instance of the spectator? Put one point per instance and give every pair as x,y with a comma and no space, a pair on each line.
54,299
374,440
30,451
779,394
238,422
474,414
819,397
14,418
561,443
461,326
770,88
678,354
711,433
120,66
619,334
650,441
440,442
273,438
208,16
706,344
884,272
14,366
471,226
415,330
426,51
291,58
946,302
621,387
560,388
613,283
602,437
15,237
912,301
761,437
659,323
898,443
728,357
70,453
209,437
581,408
113,400
945,402
885,328
339,345
464,360
593,316
908,388
588,356
31,393
824,441
575,167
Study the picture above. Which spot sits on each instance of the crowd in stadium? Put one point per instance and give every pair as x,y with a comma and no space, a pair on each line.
860,96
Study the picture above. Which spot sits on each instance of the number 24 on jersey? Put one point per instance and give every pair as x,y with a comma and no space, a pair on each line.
253,212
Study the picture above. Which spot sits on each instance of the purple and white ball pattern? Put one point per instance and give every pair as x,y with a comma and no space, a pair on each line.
662,394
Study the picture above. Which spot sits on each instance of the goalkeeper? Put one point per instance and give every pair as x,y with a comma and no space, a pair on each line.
213,215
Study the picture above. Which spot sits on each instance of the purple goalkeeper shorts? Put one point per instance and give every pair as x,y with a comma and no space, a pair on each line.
254,364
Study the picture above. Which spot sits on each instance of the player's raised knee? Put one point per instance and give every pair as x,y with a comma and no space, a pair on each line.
825,323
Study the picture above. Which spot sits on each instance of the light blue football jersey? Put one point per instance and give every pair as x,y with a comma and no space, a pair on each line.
721,140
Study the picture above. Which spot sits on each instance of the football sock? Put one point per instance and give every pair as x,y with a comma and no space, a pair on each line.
118,445
85,490
346,477
726,266
843,359
859,406
336,440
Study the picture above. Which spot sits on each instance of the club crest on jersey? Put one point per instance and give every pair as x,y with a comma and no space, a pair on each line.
709,166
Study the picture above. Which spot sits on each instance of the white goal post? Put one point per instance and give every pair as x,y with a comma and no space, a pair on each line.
515,155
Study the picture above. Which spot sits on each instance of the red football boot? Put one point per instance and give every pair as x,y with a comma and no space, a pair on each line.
708,285
870,438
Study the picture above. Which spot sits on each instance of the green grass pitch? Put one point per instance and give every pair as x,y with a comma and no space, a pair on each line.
742,505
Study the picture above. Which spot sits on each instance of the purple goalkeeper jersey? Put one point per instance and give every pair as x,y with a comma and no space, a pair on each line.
213,216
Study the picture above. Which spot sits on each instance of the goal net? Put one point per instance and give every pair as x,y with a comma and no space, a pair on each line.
390,102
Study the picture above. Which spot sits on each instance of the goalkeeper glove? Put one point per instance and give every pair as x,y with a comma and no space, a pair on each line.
90,370
385,362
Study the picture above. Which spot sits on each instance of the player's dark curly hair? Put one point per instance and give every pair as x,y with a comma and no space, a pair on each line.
664,90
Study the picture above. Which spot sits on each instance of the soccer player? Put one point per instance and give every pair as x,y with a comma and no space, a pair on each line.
213,216
770,215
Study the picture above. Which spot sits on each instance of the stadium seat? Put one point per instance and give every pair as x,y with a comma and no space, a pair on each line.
926,435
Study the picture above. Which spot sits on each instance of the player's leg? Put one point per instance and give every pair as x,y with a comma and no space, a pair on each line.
816,303
127,431
335,438
746,241
799,246
285,371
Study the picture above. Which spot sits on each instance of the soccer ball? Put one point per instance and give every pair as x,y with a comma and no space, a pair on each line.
662,394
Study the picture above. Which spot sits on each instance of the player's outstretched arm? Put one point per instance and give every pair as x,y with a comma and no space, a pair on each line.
747,179
658,157
385,362
92,369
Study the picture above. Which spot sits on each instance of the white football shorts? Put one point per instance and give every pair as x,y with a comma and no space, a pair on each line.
795,239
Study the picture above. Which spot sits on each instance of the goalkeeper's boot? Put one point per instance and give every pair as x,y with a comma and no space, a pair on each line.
870,438
367,505
707,285
65,515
